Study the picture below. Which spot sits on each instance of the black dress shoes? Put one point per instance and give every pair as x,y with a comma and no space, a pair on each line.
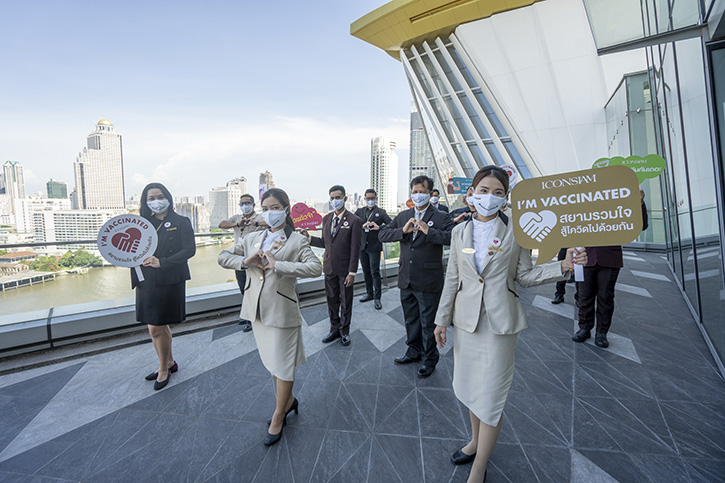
345,340
406,360
425,371
330,337
600,340
246,325
154,375
581,335
366,298
558,298
378,305
271,439
160,385
294,407
461,458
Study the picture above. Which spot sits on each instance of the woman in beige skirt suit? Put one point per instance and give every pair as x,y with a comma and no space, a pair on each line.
274,259
481,299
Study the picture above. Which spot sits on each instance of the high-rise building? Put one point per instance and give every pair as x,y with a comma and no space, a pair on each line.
12,184
25,208
56,189
421,157
99,170
384,172
197,212
69,225
224,201
266,181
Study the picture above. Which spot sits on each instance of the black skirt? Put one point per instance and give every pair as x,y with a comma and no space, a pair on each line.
161,305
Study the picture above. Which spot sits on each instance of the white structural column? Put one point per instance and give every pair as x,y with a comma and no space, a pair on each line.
524,152
459,105
425,106
454,128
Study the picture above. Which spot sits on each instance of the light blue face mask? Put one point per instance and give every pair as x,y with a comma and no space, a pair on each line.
337,204
420,199
158,206
487,204
371,203
274,218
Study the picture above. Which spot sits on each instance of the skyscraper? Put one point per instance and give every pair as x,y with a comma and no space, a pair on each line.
384,172
224,201
421,157
56,189
99,170
266,181
12,182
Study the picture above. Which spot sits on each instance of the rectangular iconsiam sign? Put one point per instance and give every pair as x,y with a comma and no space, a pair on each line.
589,208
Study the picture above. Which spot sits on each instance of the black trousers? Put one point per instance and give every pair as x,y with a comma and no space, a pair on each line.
370,261
561,285
241,280
419,309
339,304
598,285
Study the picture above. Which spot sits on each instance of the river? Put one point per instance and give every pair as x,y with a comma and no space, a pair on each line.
105,283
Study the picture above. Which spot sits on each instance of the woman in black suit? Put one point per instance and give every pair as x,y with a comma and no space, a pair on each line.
161,296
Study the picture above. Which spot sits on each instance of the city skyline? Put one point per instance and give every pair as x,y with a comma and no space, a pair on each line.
183,102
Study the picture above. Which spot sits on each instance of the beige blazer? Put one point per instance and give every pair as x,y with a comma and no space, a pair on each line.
492,293
274,292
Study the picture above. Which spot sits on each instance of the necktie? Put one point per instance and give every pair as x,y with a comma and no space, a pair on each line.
335,221
418,216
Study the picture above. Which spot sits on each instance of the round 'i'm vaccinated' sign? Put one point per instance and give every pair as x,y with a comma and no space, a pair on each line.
126,241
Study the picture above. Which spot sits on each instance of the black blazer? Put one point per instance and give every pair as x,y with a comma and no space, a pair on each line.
442,208
370,240
176,246
342,252
421,260
611,256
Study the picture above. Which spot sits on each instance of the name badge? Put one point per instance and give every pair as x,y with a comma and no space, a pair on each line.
496,249
171,229
469,251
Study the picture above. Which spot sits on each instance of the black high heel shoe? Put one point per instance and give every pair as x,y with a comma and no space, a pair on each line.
294,407
160,385
271,439
155,374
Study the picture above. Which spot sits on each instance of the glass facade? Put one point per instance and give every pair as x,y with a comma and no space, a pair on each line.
456,107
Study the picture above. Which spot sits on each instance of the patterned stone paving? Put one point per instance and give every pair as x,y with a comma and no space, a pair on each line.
649,408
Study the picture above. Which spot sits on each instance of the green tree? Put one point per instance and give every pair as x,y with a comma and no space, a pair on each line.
45,264
3,252
79,258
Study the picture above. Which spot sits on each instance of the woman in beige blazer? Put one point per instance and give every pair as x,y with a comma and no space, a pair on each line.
481,299
274,259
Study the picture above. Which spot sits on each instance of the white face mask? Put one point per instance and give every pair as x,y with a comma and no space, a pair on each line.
247,209
158,206
371,203
469,200
420,199
337,204
487,204
434,200
274,218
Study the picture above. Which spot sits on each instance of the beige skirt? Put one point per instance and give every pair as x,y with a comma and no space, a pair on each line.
483,370
281,350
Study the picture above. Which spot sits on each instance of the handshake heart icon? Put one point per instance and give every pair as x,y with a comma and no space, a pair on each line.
538,225
128,240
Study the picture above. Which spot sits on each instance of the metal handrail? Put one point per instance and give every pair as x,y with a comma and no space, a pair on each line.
86,242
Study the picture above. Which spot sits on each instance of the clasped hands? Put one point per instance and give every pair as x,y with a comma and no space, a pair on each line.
370,225
415,225
262,260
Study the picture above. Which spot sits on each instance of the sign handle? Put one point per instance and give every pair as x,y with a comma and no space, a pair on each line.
578,270
139,273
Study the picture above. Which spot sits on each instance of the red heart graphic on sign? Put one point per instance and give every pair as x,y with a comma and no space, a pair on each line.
127,241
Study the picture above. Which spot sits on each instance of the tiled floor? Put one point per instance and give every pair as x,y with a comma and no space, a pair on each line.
649,408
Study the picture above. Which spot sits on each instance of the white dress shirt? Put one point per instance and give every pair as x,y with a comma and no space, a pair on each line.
482,234
270,239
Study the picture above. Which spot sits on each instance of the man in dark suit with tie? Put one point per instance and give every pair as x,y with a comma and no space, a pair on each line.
435,197
600,277
422,231
341,238
373,218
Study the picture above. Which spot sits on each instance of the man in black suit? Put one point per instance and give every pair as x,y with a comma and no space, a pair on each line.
341,238
435,197
373,218
422,231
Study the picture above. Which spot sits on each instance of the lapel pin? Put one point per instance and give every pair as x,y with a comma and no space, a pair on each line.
490,253
345,224
430,223
377,214
257,245
167,224
496,241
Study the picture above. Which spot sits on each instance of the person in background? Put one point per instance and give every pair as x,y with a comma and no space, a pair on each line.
341,238
422,231
481,299
464,213
600,277
244,224
561,284
275,259
161,296
435,197
373,218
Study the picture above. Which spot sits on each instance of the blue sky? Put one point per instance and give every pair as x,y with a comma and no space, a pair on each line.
202,92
